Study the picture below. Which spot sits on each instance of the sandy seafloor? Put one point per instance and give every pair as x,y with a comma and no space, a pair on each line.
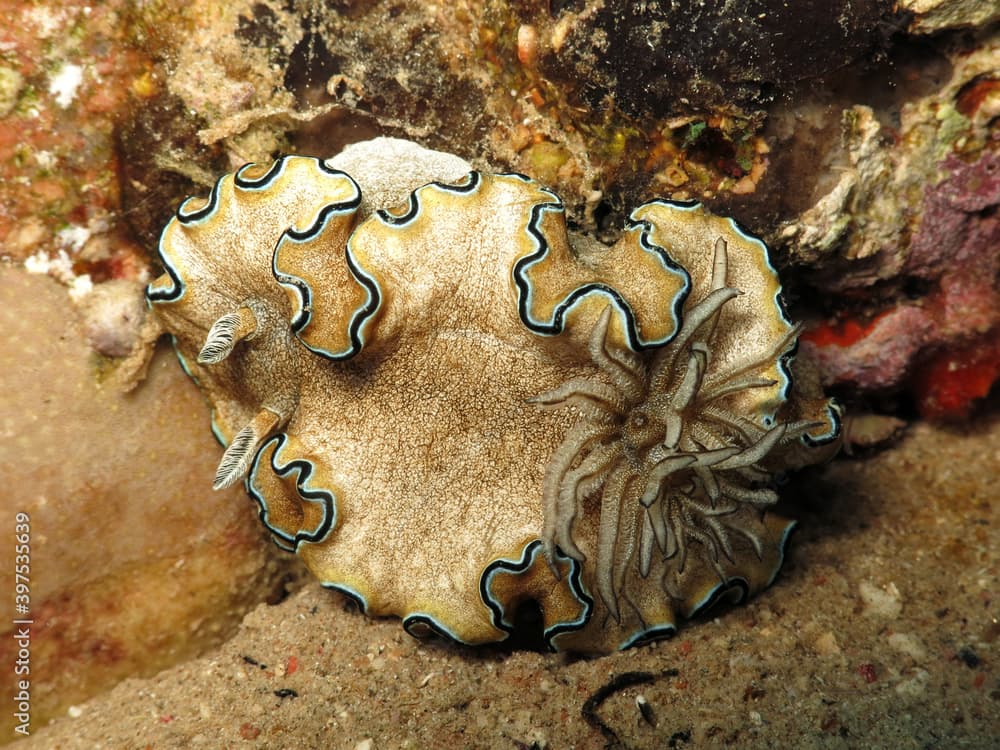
881,632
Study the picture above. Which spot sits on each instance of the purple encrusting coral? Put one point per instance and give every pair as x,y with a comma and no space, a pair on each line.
957,242
954,247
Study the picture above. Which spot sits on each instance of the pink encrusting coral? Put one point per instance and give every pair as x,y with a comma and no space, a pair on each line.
956,243
872,355
954,247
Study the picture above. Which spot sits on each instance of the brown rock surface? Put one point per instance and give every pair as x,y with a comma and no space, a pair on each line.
135,563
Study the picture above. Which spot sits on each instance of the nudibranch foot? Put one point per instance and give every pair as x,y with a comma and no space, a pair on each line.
449,410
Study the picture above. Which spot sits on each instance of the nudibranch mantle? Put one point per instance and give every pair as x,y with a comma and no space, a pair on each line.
448,409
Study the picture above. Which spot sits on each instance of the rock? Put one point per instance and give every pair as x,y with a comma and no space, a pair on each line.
134,565
880,602
930,16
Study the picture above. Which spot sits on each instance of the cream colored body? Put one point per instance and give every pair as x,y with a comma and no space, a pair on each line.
377,381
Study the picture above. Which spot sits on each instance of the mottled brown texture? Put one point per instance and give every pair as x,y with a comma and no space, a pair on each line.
616,105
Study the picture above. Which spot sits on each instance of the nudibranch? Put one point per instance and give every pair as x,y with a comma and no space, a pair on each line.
448,410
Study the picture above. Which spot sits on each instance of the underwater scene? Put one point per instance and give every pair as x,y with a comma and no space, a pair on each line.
488,374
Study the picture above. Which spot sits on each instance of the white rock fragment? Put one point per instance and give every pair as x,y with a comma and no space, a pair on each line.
59,266
885,602
909,644
80,287
46,159
112,316
46,21
915,686
64,84
73,237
